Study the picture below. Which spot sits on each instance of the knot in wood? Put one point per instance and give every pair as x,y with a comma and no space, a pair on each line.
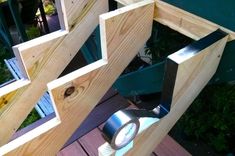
69,91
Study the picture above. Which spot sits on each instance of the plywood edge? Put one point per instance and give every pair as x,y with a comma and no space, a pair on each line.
29,136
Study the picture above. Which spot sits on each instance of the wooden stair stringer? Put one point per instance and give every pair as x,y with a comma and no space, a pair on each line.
79,91
43,62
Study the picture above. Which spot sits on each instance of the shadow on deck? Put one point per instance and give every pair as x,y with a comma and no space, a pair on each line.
87,138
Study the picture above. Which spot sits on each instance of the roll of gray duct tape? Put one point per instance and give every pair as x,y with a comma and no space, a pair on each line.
122,127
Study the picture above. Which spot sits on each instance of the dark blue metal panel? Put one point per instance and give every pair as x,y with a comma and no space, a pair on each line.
144,81
217,11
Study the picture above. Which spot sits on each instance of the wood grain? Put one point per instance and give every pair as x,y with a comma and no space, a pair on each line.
46,66
34,54
182,21
123,27
187,73
192,75
186,23
4,100
98,115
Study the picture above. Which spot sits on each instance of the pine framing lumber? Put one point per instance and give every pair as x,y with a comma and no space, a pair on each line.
48,58
186,23
189,74
192,76
76,94
41,62
182,21
43,106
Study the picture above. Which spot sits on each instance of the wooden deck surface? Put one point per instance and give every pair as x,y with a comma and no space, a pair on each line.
89,143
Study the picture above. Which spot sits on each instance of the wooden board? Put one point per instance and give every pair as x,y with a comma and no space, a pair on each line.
187,73
182,21
44,59
109,103
186,23
98,115
77,93
43,106
193,74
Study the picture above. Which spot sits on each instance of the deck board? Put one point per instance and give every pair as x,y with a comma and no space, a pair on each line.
74,149
92,141
169,147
